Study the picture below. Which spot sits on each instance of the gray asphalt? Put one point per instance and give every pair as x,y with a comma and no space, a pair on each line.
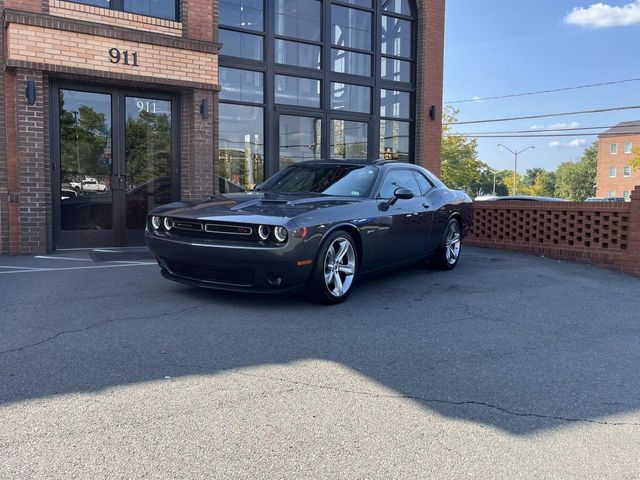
508,367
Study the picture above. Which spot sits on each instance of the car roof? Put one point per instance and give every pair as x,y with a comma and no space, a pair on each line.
347,161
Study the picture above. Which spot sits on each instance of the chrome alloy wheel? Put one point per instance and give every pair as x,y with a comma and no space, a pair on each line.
453,243
339,267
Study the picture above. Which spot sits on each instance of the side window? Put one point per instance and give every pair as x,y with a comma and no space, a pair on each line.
399,179
424,184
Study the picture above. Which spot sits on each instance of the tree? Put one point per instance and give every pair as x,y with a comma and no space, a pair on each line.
577,180
635,161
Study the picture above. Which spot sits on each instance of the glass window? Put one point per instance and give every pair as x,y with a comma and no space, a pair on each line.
353,63
359,3
613,172
612,194
153,8
395,104
396,37
398,179
396,70
628,147
626,195
241,147
351,98
397,6
298,54
424,184
627,171
304,92
614,148
349,139
242,14
351,28
300,139
394,140
95,3
243,45
241,85
299,19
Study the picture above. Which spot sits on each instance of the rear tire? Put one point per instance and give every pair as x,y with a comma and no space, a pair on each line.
450,248
335,270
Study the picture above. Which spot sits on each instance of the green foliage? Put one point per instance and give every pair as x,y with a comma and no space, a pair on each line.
577,180
148,147
635,161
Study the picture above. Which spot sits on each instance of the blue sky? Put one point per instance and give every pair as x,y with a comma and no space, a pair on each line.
498,47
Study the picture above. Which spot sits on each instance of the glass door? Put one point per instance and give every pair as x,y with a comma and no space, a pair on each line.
300,139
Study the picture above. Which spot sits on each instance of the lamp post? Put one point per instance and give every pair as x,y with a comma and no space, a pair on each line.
495,173
515,164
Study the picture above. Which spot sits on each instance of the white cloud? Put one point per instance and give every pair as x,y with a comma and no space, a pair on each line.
572,144
555,126
554,144
577,143
602,15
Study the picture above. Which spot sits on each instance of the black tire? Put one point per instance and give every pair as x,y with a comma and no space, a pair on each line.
318,290
448,256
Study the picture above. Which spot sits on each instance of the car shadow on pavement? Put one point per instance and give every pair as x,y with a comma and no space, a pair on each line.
517,343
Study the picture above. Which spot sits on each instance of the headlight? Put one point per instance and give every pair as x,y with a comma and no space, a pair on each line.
168,223
155,222
280,233
263,232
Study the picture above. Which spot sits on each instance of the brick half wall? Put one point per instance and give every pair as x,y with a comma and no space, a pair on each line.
602,234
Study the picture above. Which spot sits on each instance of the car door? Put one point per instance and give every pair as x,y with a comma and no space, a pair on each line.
430,203
403,226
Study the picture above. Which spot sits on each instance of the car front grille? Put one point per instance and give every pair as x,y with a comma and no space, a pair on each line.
215,230
237,277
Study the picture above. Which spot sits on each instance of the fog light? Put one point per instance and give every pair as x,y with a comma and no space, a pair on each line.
155,222
280,233
168,223
263,232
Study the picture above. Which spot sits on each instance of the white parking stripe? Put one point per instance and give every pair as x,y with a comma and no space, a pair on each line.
19,268
36,270
65,258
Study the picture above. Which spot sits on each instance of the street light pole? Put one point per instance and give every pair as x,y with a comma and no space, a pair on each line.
495,173
515,164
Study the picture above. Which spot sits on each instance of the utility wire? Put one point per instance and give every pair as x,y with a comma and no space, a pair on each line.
548,115
543,130
541,92
527,136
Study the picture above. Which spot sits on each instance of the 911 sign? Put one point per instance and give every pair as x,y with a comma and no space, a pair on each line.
123,56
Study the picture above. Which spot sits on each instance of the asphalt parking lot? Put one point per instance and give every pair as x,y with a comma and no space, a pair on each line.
508,367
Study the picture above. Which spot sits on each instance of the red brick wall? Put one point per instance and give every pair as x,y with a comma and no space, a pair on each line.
4,191
602,234
431,16
606,160
197,17
27,5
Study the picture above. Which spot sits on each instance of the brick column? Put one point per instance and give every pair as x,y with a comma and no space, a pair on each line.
634,234
4,188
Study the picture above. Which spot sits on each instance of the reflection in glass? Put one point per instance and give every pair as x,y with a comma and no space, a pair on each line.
297,54
241,85
298,19
243,45
246,14
303,92
395,104
395,70
153,8
360,3
397,6
394,140
396,37
85,161
241,147
349,139
353,63
147,156
300,139
350,98
351,28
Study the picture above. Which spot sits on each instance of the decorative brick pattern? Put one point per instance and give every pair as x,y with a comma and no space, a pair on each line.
40,45
603,234
105,16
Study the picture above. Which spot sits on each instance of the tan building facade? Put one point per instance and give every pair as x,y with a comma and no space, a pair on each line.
111,107
616,177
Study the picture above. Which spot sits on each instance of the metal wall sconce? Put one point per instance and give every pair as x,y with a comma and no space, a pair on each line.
30,92
432,113
204,109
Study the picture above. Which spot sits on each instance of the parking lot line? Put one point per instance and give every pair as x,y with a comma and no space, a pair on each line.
19,268
37,270
64,258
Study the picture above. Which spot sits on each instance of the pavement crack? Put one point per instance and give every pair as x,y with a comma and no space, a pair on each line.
101,324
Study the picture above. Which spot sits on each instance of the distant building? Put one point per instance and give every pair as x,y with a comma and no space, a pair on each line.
616,178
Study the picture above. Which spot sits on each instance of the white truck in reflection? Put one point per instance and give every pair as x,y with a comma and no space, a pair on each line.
88,185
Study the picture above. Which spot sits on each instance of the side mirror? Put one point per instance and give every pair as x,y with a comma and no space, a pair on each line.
401,194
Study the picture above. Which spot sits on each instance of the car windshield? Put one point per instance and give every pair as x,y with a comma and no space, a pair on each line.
334,180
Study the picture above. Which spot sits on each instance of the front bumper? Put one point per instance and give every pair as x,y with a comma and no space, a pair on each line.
231,266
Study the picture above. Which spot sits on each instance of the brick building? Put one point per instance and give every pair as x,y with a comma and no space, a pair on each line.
109,107
616,177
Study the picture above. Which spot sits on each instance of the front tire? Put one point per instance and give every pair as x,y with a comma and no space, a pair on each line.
448,254
335,269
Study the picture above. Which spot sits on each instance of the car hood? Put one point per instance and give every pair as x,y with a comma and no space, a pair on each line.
254,207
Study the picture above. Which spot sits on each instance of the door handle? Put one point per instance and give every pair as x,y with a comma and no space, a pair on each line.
123,183
425,205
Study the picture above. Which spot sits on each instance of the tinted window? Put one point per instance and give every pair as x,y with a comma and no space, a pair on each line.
351,27
399,179
304,92
244,45
353,63
351,98
297,54
242,14
335,180
242,85
425,185
153,8
298,18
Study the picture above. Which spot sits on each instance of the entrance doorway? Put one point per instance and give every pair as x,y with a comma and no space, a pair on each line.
114,159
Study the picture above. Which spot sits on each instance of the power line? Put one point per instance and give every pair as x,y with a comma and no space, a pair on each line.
527,136
541,92
543,130
548,115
